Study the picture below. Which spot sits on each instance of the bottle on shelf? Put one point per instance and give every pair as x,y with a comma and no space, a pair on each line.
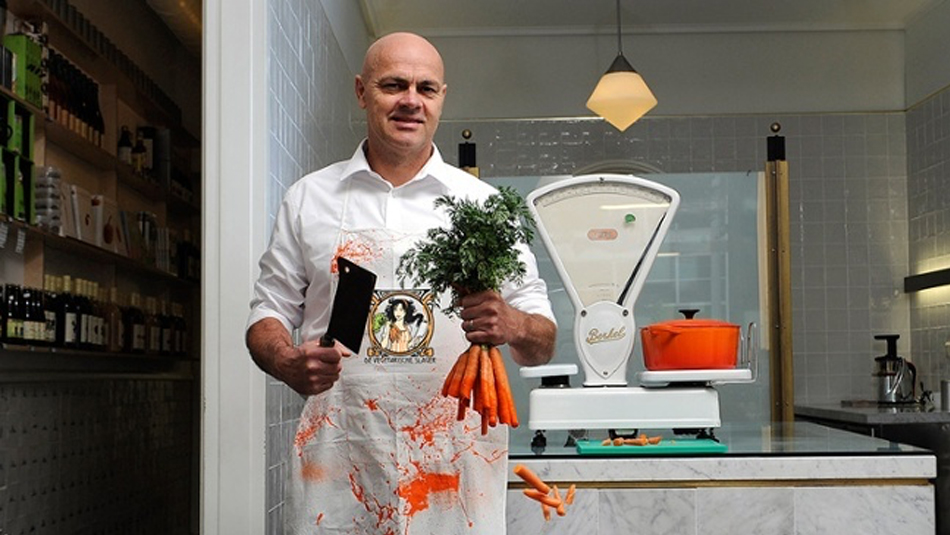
113,320
13,315
167,327
152,327
50,300
139,154
34,322
180,329
135,334
68,315
124,152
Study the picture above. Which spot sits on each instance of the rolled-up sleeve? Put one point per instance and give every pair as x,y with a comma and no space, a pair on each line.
280,290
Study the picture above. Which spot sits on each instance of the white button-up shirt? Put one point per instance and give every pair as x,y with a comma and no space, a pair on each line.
294,284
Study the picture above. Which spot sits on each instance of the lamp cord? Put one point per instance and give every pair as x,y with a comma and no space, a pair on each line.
619,39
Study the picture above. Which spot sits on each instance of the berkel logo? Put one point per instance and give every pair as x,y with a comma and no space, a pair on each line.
595,336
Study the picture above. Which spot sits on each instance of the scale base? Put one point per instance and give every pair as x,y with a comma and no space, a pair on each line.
623,408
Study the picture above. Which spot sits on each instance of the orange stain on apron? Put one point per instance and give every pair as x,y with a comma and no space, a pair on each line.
416,492
307,432
356,251
312,472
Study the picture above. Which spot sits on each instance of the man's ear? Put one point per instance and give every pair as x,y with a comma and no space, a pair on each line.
360,89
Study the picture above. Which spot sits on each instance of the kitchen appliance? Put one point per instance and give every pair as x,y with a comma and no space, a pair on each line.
896,376
603,233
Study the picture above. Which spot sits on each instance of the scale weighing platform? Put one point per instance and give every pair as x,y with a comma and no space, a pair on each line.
603,233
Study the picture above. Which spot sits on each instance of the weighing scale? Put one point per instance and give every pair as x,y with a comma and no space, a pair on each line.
603,233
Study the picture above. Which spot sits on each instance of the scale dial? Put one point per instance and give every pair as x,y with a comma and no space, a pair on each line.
599,230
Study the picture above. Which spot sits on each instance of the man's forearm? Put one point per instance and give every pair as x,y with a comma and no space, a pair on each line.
266,340
535,342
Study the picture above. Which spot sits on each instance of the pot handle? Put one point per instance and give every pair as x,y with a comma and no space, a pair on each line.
749,354
659,328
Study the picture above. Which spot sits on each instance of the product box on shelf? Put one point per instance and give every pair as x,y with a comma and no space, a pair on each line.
84,218
106,217
28,55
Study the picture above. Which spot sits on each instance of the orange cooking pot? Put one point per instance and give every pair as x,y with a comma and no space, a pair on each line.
690,344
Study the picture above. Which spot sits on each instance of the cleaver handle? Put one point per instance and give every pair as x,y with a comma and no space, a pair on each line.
326,341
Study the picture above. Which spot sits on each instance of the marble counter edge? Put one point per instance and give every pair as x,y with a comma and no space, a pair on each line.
673,469
866,416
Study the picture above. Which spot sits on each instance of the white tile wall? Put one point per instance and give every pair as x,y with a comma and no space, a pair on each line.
928,191
848,205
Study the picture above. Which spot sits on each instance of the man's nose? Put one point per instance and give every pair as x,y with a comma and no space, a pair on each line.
410,98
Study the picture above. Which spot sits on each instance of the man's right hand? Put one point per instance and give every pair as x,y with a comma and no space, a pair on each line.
311,368
308,368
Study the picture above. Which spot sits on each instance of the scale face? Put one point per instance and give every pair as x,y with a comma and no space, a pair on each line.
603,233
598,229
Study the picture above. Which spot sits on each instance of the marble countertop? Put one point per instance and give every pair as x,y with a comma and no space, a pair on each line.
796,451
869,413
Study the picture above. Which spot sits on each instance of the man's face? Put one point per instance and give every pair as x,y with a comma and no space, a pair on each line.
402,94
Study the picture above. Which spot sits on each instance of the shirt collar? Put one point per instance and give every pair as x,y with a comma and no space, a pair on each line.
358,165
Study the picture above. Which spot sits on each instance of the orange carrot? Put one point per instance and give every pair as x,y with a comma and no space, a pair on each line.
531,478
546,511
569,499
455,389
535,494
446,386
655,440
471,371
502,386
606,442
561,511
487,378
463,405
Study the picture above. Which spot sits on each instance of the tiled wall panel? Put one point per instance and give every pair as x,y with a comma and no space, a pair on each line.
928,191
848,212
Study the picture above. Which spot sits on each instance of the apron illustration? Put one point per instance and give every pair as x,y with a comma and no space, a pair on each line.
382,452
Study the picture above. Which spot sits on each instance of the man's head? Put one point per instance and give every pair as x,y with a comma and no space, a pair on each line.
402,88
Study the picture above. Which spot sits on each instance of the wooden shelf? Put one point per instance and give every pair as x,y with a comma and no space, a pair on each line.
149,189
95,253
33,363
78,146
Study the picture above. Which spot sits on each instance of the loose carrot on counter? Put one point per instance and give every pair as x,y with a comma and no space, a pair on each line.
531,478
546,511
569,499
535,494
561,511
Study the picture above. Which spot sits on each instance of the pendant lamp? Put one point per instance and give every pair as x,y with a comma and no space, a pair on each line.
621,97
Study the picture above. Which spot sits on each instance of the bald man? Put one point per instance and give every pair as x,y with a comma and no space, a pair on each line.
378,450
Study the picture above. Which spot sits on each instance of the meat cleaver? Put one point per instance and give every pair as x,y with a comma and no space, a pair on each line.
350,311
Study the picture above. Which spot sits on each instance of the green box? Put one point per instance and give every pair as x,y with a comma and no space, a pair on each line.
27,82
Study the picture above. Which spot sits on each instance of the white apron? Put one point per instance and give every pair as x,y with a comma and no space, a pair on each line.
381,452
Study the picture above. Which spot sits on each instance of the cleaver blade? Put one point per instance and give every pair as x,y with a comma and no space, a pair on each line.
350,312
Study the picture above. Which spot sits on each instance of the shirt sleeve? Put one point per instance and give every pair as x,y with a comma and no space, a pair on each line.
280,290
531,295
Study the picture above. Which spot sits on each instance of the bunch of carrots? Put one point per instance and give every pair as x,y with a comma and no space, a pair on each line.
478,380
548,495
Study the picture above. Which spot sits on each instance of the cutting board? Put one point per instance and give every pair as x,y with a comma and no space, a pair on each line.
676,446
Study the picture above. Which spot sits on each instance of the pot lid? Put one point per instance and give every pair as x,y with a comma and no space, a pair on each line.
694,324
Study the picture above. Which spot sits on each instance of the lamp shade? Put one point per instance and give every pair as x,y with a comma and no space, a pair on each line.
621,97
